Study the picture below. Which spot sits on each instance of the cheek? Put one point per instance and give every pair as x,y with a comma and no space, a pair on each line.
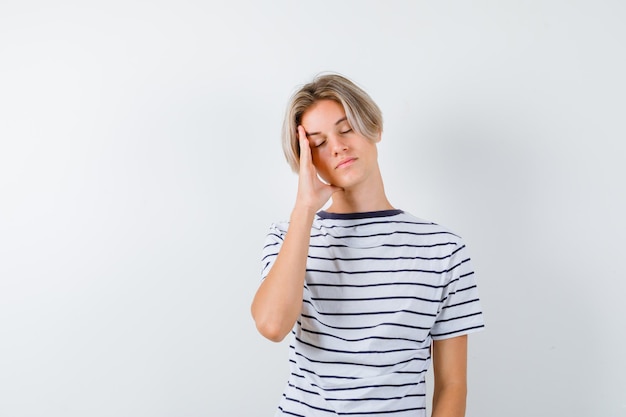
320,164
316,157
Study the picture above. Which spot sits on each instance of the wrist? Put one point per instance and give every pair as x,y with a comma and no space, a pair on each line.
303,212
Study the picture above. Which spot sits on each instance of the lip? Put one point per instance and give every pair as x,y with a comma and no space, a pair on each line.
345,162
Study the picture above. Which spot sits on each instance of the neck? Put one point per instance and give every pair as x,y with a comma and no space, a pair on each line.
361,199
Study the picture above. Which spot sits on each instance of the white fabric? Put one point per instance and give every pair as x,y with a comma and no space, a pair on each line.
379,287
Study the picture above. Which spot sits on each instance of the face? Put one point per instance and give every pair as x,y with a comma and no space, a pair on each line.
342,157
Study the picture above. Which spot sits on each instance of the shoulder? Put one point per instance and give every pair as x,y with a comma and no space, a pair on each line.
432,236
428,226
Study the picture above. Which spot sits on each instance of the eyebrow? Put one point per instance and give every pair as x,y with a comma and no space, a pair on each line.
343,119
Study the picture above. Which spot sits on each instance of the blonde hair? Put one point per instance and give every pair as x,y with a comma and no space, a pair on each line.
362,113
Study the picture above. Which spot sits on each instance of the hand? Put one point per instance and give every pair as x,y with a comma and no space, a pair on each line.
313,193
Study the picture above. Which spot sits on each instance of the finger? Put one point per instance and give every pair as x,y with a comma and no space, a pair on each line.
305,151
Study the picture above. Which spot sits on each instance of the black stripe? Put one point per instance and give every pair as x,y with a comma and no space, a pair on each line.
473,300
320,376
274,234
458,331
282,410
376,398
398,232
403,410
348,226
302,389
271,244
371,413
309,405
377,271
449,284
269,254
381,284
373,258
466,289
454,252
362,386
398,297
356,399
466,274
387,245
362,327
385,271
323,214
323,376
370,365
365,313
423,371
351,378
360,339
356,352
458,318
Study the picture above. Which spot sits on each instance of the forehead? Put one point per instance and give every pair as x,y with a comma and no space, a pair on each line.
323,114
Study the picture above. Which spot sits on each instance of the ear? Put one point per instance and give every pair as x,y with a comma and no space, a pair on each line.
379,136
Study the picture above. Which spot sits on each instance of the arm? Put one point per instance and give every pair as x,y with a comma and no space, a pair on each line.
278,301
450,371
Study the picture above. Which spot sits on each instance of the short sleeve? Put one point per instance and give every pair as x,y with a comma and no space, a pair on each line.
271,247
460,311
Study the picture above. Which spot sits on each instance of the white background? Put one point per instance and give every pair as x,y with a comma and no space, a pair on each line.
140,168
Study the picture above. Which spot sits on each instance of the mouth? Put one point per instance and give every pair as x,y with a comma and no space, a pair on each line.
345,162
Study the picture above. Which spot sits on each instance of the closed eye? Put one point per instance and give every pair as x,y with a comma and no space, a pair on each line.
346,131
318,144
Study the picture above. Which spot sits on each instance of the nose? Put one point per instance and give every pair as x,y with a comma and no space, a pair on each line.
338,144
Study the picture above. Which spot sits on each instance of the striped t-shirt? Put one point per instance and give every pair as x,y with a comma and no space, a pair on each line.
379,287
